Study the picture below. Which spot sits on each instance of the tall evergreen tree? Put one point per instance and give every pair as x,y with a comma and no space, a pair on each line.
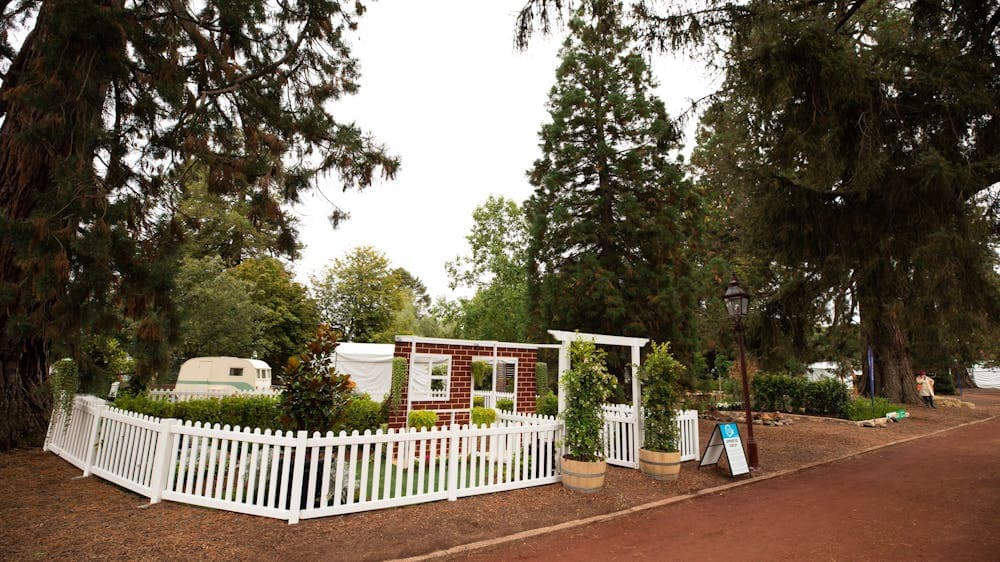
863,137
611,220
102,102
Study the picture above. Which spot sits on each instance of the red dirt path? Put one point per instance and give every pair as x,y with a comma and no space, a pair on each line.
934,498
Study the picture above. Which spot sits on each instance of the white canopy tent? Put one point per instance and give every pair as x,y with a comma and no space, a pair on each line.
368,364
986,377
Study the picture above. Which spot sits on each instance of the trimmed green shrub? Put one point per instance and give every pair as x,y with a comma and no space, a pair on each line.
778,392
478,401
422,418
541,378
243,411
505,404
587,386
861,408
828,396
547,405
362,413
483,416
659,375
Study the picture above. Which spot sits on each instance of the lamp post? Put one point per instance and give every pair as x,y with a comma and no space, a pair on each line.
738,304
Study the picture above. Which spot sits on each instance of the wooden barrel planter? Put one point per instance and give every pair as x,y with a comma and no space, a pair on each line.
660,466
582,476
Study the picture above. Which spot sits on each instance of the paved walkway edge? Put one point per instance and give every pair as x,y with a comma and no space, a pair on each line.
487,543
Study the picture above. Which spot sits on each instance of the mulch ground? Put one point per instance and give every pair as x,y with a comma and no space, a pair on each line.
48,512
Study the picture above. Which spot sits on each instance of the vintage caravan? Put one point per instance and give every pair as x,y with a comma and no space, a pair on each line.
223,374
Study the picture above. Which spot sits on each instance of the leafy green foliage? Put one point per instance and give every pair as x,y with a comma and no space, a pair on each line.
64,382
363,413
541,378
828,396
243,411
659,375
422,418
359,294
399,370
587,385
612,216
778,392
547,404
482,375
478,401
483,416
505,405
315,397
861,408
218,314
496,269
288,316
944,383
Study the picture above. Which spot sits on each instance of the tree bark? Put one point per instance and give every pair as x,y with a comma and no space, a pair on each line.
882,330
962,377
52,100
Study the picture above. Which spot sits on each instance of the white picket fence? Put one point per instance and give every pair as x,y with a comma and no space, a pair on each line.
292,475
621,433
490,397
180,396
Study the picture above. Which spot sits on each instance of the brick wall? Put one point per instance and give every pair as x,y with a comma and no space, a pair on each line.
461,379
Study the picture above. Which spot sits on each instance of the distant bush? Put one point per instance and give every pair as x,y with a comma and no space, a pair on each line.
478,401
482,372
944,383
785,393
861,408
505,404
422,418
547,405
483,416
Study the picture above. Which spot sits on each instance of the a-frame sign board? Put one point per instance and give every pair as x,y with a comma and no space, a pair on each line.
726,439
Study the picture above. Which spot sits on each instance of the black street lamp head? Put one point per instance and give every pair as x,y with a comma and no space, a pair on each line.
737,300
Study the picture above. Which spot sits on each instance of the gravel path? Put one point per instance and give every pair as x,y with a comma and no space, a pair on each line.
47,512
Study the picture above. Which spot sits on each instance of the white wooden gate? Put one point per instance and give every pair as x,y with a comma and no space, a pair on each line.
620,434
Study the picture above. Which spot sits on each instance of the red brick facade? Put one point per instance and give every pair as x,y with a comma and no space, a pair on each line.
460,387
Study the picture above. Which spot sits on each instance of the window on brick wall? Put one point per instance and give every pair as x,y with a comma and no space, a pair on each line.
503,384
430,377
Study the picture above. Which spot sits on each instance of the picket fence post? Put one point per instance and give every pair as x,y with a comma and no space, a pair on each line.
298,472
90,454
454,442
161,462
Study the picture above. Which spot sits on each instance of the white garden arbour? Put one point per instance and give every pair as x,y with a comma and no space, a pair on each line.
566,339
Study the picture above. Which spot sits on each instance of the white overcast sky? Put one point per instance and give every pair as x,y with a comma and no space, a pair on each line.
443,87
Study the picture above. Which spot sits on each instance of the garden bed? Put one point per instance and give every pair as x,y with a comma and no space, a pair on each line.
48,513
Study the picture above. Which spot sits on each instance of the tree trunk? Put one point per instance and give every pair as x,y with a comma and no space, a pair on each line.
882,331
51,103
962,377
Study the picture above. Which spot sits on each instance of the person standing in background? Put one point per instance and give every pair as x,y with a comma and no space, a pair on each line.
925,388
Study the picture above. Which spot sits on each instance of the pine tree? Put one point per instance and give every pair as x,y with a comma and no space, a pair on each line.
863,138
611,220
103,102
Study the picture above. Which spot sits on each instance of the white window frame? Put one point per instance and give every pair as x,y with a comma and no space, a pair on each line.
494,360
432,395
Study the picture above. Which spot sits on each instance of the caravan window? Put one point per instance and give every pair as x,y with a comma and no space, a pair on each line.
430,377
236,371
